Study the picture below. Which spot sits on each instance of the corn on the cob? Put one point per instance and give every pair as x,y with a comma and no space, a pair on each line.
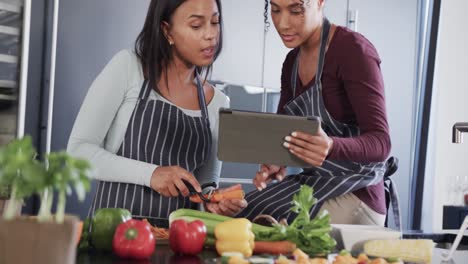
411,250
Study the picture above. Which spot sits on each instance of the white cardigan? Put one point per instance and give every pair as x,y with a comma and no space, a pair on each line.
102,121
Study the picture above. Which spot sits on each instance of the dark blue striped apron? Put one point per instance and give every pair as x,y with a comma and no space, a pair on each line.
333,178
162,134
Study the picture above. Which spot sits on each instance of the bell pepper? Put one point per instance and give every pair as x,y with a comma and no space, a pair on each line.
187,237
133,239
103,226
235,236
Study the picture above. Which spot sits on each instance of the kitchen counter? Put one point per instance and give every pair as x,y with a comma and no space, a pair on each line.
164,255
443,240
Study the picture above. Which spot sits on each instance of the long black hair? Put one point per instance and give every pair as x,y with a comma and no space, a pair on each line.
152,47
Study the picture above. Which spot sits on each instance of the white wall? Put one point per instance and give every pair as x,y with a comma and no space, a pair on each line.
240,62
450,95
392,27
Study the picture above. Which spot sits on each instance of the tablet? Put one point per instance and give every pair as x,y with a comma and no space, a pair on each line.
256,137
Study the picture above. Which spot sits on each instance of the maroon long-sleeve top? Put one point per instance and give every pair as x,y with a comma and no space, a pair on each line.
353,93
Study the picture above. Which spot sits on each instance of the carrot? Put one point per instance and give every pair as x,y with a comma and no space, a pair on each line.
217,197
158,233
79,232
274,247
233,188
235,194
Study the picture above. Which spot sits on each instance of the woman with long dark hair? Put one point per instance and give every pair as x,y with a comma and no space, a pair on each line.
149,121
334,73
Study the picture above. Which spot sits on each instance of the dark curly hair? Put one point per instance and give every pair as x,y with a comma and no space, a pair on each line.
265,16
265,13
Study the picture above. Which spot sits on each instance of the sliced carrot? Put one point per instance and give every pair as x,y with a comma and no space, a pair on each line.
274,247
158,233
233,187
235,194
217,197
195,199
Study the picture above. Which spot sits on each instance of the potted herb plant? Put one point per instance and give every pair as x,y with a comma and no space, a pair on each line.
16,164
46,238
5,200
4,197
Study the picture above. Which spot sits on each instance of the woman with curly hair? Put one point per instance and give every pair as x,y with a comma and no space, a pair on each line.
333,73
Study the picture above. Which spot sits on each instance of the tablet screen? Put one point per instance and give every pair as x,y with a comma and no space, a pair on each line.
256,137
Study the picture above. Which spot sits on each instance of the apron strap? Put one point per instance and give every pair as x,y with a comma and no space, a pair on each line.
295,74
323,45
145,90
201,98
393,200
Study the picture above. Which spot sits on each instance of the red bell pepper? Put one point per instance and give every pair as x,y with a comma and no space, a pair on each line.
187,238
133,239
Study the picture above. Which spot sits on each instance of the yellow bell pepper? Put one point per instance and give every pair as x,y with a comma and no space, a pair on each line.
235,236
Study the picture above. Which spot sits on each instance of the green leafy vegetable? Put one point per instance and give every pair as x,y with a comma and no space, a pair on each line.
310,235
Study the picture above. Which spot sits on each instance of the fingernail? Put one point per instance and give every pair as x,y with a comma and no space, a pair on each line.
288,138
290,150
286,144
259,189
263,185
294,134
265,174
280,177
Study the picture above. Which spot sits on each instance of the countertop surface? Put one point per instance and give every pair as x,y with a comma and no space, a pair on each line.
164,255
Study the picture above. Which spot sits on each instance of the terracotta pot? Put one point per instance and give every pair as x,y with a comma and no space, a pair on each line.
25,240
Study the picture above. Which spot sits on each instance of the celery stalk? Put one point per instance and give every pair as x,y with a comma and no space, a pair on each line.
210,220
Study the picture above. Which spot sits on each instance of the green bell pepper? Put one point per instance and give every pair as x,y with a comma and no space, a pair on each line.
104,223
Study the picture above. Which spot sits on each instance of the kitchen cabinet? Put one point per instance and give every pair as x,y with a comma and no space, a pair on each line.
14,55
10,25
14,50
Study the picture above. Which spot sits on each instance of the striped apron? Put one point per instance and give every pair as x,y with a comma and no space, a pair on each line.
162,134
333,178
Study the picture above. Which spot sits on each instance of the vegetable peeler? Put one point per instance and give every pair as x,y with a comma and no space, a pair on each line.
200,194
